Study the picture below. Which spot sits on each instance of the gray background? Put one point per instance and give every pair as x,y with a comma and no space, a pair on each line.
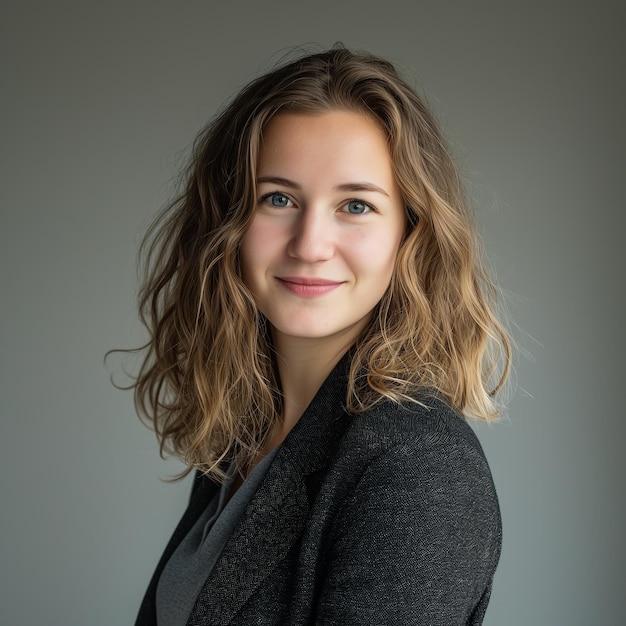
100,101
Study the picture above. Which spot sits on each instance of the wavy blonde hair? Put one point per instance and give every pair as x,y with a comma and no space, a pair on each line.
208,381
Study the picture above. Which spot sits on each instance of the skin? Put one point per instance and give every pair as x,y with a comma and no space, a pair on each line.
321,249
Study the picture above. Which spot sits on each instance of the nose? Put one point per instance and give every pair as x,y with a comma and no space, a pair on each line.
312,239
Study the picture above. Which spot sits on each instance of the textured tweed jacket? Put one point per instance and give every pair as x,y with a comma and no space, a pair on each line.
386,517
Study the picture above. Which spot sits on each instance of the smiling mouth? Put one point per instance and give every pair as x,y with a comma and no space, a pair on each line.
308,287
301,280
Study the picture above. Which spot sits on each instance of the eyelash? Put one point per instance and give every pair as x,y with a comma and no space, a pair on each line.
370,208
266,198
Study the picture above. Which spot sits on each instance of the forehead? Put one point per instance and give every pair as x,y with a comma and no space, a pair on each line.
337,143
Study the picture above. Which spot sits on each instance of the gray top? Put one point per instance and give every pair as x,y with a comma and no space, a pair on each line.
192,562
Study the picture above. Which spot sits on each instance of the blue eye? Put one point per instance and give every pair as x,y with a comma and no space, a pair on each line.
277,199
356,207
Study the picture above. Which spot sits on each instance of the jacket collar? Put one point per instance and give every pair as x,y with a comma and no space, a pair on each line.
275,517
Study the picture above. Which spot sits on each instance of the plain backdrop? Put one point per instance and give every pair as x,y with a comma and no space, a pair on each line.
100,101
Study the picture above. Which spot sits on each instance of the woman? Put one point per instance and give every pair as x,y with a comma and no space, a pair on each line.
320,323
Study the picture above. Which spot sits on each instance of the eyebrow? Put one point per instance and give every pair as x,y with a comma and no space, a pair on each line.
353,187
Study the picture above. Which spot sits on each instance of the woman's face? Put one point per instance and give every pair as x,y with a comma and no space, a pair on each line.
321,248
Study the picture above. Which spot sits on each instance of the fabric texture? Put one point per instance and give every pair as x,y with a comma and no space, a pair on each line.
384,517
184,574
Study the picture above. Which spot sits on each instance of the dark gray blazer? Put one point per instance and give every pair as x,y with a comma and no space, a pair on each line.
386,517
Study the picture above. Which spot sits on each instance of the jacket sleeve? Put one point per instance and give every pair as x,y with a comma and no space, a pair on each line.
417,542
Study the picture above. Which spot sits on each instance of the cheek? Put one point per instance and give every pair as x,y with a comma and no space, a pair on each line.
258,248
375,256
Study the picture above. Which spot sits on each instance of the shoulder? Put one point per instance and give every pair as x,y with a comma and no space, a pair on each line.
421,459
427,427
419,520
420,467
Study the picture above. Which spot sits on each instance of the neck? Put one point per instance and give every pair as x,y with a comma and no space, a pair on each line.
303,365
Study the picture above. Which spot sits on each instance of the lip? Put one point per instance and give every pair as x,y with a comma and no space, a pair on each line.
308,287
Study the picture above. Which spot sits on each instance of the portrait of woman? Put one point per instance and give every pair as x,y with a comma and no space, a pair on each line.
321,326
375,328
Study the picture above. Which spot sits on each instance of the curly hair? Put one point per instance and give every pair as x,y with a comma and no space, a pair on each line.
208,381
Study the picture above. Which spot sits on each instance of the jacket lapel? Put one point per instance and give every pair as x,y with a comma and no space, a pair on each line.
276,515
202,493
